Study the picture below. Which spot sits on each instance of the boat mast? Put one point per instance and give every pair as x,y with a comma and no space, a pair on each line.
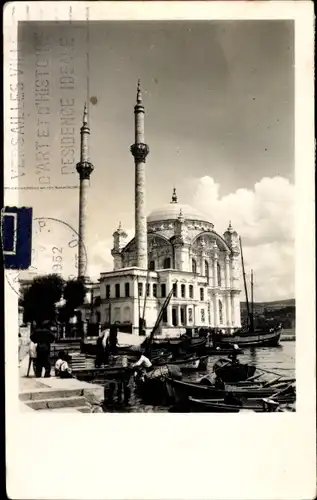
139,304
252,303
244,282
145,296
158,321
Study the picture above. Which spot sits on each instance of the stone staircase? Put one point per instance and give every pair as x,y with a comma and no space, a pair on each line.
56,400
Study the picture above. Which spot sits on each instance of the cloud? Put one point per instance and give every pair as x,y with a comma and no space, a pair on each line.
264,217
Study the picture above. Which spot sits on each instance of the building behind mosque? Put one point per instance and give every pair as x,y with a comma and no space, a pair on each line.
175,247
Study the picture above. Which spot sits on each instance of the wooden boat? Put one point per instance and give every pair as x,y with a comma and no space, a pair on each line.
257,338
221,406
231,372
102,374
222,351
191,364
180,391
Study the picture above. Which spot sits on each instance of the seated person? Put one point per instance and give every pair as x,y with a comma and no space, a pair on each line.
62,368
143,362
234,354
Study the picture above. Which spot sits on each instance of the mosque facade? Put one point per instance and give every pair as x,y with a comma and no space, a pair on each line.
174,248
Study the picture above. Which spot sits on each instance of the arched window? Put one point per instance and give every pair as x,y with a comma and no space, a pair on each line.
152,265
194,266
167,263
219,274
220,313
206,268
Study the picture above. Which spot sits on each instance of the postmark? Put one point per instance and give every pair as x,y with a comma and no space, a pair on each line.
44,105
54,251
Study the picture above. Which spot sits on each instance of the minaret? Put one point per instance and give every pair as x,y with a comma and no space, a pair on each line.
140,151
174,196
84,168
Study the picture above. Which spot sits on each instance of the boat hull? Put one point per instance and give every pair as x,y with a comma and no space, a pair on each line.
180,391
269,339
231,373
202,406
187,365
103,374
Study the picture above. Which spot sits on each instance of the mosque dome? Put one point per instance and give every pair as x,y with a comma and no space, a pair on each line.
172,210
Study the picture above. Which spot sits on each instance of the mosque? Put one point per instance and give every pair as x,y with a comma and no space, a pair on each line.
174,248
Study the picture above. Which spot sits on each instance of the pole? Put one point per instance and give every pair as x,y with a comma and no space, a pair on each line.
139,305
252,303
145,295
244,282
91,304
158,320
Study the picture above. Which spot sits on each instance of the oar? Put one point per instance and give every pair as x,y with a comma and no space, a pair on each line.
254,377
272,382
278,393
269,371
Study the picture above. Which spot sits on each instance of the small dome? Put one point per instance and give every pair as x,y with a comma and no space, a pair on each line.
172,211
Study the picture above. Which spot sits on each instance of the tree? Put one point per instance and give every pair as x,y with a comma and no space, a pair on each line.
74,295
40,299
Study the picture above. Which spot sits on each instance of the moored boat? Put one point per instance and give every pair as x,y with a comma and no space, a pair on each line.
258,338
181,390
231,372
192,363
106,373
212,406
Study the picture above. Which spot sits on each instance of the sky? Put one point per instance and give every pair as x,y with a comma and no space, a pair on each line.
219,102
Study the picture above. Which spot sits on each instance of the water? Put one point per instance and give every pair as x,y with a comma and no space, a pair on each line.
277,359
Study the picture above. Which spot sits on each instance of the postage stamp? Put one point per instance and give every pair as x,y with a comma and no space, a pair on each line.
159,148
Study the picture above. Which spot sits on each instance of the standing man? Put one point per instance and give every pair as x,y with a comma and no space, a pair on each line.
113,339
43,337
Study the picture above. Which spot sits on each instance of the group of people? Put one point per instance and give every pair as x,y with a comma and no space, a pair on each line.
40,353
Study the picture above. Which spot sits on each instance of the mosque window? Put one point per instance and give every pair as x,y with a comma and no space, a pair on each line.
152,265
220,312
163,290
164,317
107,291
154,290
206,268
174,290
183,291
202,294
167,263
127,289
117,290
202,315
194,266
191,291
182,318
190,315
219,274
148,290
140,289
